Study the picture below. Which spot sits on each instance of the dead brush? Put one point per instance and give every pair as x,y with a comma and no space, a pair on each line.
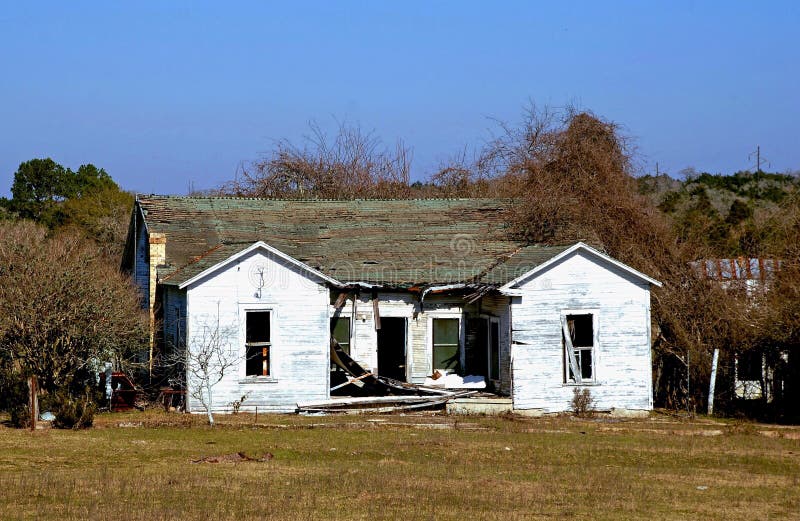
582,404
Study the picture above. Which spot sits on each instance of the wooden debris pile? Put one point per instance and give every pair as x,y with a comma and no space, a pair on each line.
388,395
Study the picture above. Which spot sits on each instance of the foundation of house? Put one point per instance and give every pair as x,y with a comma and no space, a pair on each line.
488,405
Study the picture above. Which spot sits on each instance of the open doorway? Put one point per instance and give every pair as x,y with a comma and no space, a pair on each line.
392,348
482,348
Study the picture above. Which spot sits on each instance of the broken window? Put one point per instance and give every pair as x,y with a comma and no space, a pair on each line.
579,343
340,329
445,344
257,343
494,349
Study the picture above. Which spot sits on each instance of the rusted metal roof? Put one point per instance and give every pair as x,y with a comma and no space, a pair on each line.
393,243
759,269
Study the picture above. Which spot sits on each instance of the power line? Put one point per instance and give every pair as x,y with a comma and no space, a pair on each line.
759,160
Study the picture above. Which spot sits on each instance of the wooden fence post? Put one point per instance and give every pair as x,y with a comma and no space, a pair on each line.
713,382
33,402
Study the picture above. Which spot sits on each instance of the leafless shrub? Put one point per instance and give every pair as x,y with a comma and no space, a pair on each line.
62,306
204,361
353,164
236,405
582,404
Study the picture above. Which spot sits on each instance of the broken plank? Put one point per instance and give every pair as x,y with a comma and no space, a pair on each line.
351,381
340,300
376,311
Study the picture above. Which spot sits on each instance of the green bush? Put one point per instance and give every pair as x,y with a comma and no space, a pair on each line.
15,401
72,413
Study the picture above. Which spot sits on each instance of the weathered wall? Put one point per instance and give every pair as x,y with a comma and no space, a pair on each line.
498,306
141,272
173,317
622,357
299,331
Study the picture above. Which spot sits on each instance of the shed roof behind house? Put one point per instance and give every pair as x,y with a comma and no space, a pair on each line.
395,243
757,269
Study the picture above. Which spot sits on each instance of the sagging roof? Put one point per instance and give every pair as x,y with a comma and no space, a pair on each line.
391,243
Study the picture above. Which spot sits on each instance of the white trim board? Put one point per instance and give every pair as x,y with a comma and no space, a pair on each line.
253,247
509,289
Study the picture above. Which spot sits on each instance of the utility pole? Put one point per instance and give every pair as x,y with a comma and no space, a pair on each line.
759,161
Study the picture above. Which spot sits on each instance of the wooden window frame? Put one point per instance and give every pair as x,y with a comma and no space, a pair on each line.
568,355
271,376
459,345
349,330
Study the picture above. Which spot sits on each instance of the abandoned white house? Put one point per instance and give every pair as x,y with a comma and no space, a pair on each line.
407,287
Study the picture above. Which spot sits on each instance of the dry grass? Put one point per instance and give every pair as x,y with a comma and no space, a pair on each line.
401,467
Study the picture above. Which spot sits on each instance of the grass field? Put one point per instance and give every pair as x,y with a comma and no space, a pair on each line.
142,466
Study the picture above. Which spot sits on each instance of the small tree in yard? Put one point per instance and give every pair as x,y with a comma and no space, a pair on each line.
206,361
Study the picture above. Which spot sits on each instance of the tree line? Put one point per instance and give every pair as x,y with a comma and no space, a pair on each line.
65,309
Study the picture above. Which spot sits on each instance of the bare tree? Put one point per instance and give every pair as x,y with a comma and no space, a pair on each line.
572,175
63,306
353,164
209,356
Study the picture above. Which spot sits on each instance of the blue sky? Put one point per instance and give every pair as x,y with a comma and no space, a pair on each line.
167,94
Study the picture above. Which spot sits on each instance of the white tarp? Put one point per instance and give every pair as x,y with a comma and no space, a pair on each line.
454,381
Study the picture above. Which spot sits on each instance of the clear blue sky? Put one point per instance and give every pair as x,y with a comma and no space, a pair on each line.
164,94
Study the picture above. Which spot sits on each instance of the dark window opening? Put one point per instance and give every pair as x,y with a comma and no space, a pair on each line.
476,347
257,343
581,342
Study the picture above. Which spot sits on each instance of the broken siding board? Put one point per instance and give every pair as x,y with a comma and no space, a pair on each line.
622,353
300,332
419,349
376,313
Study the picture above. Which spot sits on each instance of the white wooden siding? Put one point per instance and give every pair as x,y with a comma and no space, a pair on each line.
623,365
299,331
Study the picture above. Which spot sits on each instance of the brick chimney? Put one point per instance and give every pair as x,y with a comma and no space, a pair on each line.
157,255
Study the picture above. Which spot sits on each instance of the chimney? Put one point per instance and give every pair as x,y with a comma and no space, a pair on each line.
157,255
